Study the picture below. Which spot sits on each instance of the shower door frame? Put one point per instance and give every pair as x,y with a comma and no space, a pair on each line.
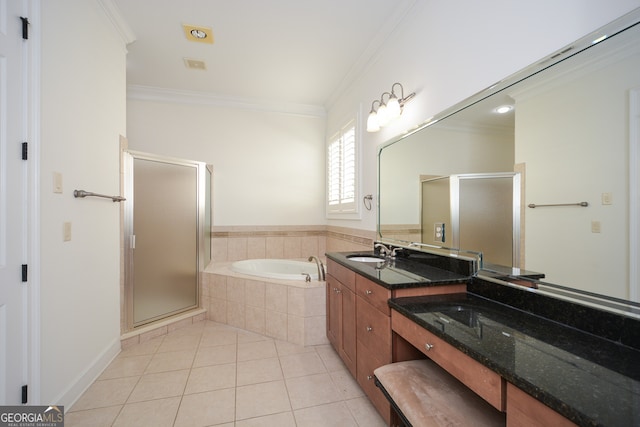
129,240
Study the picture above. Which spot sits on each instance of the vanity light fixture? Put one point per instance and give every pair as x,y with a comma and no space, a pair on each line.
388,111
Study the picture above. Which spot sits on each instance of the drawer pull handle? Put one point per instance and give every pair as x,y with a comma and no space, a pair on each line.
368,292
428,346
369,329
369,377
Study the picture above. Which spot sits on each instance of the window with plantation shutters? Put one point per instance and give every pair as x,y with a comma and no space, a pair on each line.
342,168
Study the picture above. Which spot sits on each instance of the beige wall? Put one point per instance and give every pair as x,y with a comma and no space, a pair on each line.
82,115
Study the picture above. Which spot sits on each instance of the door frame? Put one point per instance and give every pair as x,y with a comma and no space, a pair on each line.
128,162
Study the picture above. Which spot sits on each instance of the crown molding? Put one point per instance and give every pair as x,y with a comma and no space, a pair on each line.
158,94
372,52
115,17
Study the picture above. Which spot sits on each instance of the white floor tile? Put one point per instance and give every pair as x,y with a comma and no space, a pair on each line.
210,374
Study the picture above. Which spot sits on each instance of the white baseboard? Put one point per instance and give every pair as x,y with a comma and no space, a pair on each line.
83,381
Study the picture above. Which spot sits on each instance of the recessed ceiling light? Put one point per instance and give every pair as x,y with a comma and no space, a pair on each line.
196,33
503,109
599,39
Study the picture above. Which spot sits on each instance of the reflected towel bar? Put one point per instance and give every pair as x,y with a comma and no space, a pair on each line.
82,194
582,204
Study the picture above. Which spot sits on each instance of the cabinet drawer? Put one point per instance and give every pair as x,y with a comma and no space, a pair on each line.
367,363
373,293
486,383
343,274
373,329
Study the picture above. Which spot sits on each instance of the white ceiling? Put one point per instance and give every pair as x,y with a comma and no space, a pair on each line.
280,51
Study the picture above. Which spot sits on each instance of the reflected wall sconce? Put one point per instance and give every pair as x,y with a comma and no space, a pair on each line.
387,111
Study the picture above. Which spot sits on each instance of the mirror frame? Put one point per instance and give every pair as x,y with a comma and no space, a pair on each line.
619,306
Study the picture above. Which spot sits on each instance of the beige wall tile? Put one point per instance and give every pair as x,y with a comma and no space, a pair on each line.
276,297
310,246
237,249
217,310
315,330
255,319
276,325
292,247
236,314
255,293
218,286
275,247
236,289
152,334
295,301
219,249
256,248
315,301
295,329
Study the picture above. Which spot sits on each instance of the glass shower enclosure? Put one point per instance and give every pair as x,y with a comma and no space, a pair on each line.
167,235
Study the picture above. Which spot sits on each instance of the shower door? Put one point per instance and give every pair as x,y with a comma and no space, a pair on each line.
164,227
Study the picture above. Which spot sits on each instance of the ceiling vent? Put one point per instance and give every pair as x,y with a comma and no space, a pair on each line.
198,34
194,64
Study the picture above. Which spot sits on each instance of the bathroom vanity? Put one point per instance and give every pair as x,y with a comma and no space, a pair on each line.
539,360
358,314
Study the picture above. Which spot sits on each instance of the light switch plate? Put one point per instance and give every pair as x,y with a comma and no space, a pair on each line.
57,182
595,227
607,199
66,232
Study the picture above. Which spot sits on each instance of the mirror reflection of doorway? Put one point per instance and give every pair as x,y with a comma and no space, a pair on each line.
164,226
479,212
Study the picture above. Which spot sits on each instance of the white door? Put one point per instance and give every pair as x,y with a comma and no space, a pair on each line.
13,221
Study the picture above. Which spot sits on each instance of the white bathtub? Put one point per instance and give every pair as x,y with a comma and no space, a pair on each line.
284,269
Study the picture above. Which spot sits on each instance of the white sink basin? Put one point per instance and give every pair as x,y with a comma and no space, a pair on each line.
364,258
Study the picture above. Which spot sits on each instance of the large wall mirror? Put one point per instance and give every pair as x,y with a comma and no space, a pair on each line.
571,132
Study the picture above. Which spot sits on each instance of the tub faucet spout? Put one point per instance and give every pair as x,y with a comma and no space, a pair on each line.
320,267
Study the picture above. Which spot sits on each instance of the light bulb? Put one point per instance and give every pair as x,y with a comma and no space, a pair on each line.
372,122
383,116
393,108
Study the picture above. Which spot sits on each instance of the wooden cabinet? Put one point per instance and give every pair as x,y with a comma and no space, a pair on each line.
482,380
373,333
524,410
359,325
341,314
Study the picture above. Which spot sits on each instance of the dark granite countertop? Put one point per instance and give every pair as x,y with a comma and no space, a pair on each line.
400,272
588,379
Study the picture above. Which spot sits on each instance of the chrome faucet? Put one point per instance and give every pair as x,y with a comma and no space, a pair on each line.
386,251
321,276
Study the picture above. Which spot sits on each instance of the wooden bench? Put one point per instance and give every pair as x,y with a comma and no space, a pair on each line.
424,394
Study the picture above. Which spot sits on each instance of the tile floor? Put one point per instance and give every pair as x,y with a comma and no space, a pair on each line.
209,374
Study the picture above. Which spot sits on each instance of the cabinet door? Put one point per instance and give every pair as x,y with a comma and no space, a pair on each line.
348,339
334,312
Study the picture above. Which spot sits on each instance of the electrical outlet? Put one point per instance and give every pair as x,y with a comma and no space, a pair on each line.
438,232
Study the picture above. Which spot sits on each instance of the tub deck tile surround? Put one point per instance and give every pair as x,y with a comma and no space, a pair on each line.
289,310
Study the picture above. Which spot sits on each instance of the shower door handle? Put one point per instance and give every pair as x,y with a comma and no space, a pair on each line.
132,241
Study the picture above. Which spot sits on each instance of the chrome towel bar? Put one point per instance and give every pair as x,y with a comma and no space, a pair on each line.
582,204
82,194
